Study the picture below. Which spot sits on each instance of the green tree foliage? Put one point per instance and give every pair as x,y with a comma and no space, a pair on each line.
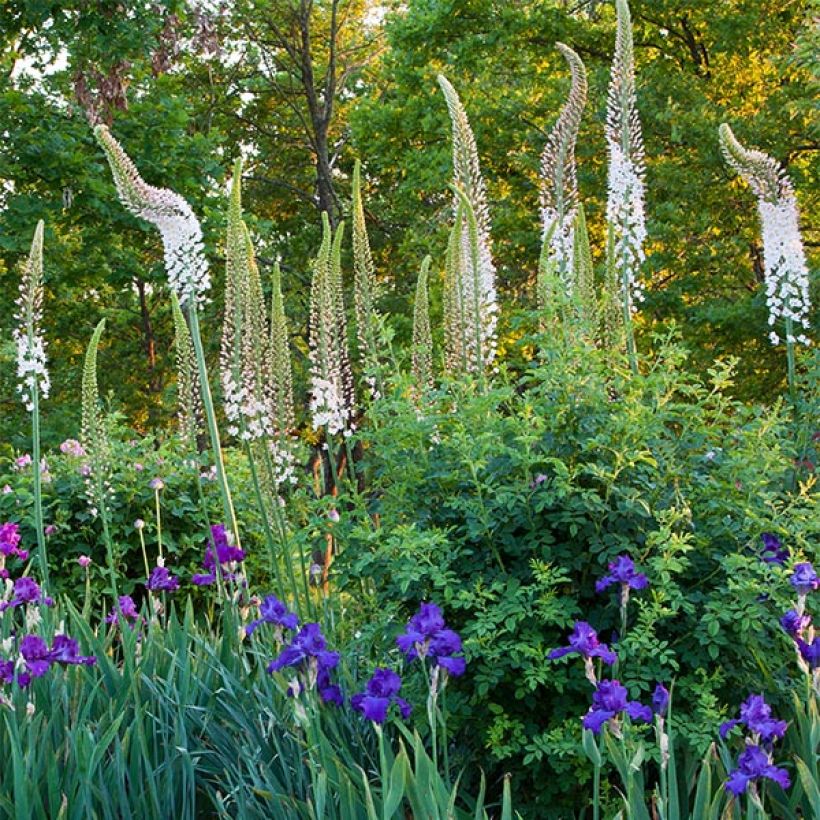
698,64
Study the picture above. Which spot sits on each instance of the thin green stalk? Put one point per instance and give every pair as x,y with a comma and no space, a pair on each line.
213,429
159,521
627,309
144,553
596,792
38,484
260,501
790,362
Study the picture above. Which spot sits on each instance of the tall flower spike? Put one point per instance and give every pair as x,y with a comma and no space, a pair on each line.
181,233
422,336
32,372
474,264
453,301
243,356
625,196
188,392
364,282
786,274
559,182
331,404
281,374
94,434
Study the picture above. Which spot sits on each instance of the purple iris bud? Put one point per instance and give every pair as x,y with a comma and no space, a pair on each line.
65,650
810,652
794,624
622,571
328,691
773,551
804,579
753,764
273,611
756,716
660,700
427,635
381,691
6,671
162,581
584,641
608,702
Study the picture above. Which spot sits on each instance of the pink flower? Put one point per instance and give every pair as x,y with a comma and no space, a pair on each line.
84,561
138,467
22,462
50,529
6,489
72,447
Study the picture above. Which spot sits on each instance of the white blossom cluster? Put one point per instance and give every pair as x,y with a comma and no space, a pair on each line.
625,194
785,273
328,407
787,276
181,233
625,213
248,417
283,462
32,370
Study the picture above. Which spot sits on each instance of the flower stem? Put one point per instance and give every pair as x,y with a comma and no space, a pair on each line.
159,523
38,485
213,429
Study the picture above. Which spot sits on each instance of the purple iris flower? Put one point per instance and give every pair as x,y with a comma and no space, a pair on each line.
622,571
36,655
6,671
26,591
427,635
273,611
128,609
794,624
381,691
328,691
65,650
810,652
609,701
309,644
584,641
660,700
226,553
10,541
753,764
804,579
773,551
162,581
756,716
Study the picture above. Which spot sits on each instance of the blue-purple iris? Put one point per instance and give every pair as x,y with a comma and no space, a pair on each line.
756,716
609,701
660,700
273,611
810,652
753,764
795,623
228,556
427,636
38,658
162,581
804,579
622,571
128,609
26,591
584,641
773,551
381,691
308,654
